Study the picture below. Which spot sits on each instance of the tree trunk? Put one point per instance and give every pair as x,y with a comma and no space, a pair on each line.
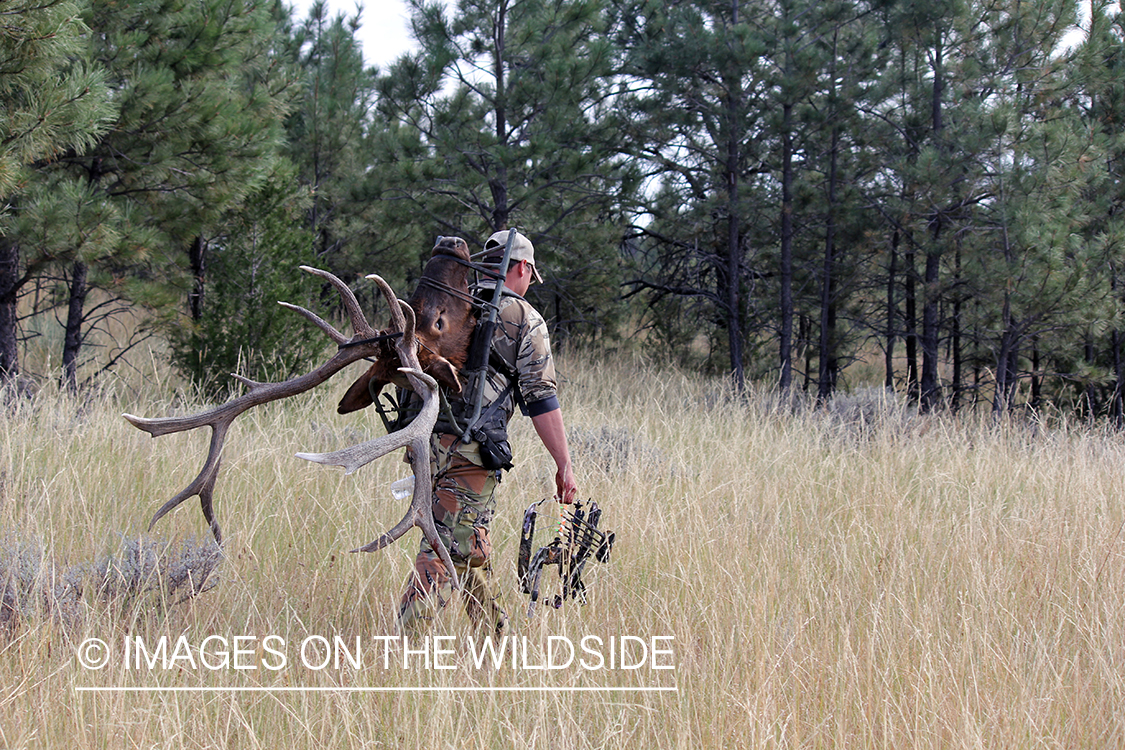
1117,408
733,242
1092,400
889,350
911,324
10,283
733,304
1003,360
498,182
72,340
197,258
1013,372
827,349
930,396
1036,378
804,346
786,260
955,337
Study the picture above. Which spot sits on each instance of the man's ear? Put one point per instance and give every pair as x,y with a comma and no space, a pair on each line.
445,373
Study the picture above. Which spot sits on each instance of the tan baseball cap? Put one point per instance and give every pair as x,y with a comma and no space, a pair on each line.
522,249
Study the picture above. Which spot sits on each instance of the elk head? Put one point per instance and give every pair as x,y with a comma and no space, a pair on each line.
365,343
445,319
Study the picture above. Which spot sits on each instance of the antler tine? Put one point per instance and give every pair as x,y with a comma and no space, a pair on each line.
398,323
416,436
221,417
319,322
360,326
420,513
358,456
363,345
203,485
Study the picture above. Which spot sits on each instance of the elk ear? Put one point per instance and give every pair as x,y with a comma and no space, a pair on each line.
358,396
445,373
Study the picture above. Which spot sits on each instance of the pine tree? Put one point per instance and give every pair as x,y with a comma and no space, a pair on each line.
200,103
327,131
54,103
254,264
838,164
933,180
503,121
988,183
1097,96
695,114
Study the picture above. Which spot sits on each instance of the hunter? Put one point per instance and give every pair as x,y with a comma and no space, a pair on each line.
466,474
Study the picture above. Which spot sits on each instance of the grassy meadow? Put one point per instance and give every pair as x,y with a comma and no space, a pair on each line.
850,576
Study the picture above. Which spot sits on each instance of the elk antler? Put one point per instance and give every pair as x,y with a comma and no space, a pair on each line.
365,343
415,436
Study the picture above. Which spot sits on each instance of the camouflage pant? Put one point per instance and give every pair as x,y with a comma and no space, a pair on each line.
464,499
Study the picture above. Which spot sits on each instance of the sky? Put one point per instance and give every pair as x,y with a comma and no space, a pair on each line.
384,33
385,30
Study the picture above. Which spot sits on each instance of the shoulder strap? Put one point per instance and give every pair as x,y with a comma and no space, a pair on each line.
487,413
508,370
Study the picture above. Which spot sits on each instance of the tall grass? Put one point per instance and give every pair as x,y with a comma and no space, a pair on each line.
846,576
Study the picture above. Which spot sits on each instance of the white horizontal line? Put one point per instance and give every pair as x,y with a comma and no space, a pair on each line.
342,689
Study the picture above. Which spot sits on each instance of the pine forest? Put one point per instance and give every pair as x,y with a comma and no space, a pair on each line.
814,196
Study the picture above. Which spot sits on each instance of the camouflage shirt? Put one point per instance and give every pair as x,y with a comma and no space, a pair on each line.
520,340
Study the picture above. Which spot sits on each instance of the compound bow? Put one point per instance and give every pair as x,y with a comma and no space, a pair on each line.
577,539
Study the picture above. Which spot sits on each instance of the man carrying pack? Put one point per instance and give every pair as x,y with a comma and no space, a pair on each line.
466,473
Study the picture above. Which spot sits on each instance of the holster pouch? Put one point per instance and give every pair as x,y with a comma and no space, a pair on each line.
495,450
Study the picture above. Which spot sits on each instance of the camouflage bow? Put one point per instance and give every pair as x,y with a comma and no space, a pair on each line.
577,539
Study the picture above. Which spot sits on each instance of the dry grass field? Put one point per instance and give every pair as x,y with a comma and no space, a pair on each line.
855,576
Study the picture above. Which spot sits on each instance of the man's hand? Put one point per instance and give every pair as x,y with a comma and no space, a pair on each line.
566,486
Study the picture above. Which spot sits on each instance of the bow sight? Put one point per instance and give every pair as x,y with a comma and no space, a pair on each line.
578,537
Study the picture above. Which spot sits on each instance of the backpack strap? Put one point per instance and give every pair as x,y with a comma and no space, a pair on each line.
487,413
505,368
